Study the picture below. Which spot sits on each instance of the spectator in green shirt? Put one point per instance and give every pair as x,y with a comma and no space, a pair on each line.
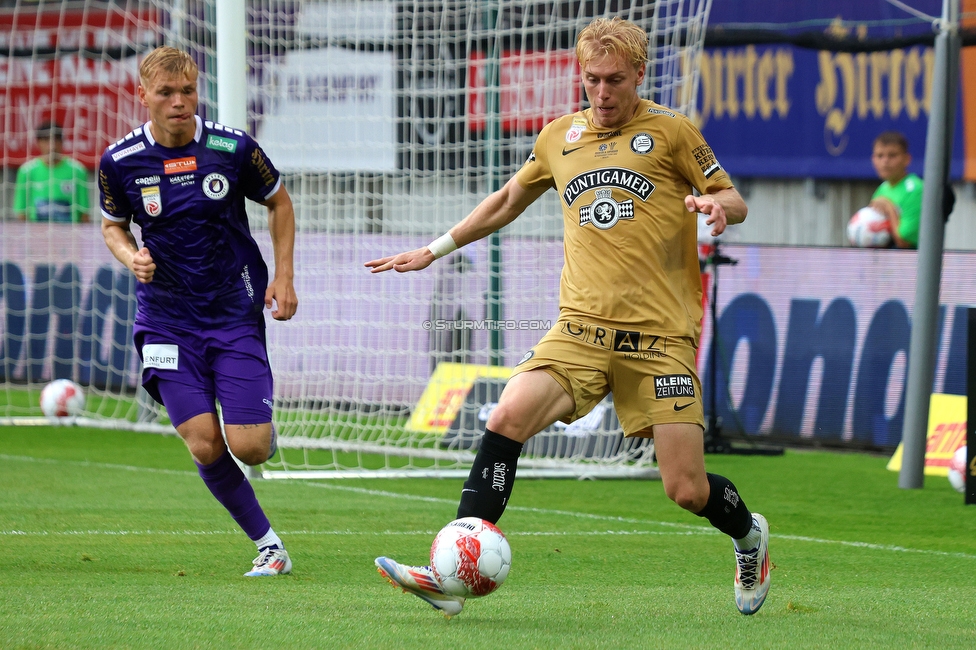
53,186
899,197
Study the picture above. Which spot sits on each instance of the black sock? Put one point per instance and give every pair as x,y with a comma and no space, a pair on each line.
489,485
725,509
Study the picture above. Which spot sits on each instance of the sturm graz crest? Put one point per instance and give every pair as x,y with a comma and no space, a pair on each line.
604,212
642,143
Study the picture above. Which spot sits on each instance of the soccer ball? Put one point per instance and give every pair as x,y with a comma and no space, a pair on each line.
868,228
957,469
62,398
470,557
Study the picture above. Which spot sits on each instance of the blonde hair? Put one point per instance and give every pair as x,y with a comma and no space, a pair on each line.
169,60
615,37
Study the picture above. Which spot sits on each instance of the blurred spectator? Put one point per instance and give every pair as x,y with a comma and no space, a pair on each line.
899,197
53,186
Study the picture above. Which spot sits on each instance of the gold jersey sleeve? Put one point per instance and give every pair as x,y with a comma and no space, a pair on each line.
630,245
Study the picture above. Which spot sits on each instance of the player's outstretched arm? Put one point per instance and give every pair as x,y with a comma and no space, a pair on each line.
497,210
122,243
280,296
723,208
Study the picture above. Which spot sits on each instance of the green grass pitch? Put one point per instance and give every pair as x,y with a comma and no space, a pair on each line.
110,540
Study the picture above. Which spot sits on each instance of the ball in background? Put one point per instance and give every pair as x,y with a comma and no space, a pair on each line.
62,398
869,228
957,469
470,557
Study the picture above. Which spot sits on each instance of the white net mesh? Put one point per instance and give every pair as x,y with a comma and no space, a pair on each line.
390,120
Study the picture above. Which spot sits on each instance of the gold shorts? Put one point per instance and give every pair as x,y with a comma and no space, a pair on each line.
654,379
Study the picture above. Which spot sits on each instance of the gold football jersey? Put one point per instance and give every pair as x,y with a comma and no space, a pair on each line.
630,245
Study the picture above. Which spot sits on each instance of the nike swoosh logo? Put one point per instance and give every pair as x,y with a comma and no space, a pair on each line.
467,490
566,151
682,408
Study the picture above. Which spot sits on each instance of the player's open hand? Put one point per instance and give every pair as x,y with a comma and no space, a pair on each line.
143,266
713,210
413,260
281,298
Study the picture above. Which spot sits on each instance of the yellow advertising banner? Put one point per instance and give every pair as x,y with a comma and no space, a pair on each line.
445,392
946,434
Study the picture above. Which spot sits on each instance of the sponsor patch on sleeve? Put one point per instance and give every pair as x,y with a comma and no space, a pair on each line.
165,356
668,386
108,201
706,160
261,166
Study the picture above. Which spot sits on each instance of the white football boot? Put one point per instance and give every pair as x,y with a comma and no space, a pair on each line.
419,581
752,571
271,561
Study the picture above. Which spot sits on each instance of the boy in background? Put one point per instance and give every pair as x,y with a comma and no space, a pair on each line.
899,197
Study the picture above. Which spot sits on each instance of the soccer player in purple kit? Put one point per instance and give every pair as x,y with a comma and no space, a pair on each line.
202,283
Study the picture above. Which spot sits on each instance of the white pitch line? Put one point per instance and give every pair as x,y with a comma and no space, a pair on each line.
431,533
541,511
88,463
113,533
876,547
323,533
690,529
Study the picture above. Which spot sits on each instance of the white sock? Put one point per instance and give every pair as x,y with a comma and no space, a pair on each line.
750,541
270,539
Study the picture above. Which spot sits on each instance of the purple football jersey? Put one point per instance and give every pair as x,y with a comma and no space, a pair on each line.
189,203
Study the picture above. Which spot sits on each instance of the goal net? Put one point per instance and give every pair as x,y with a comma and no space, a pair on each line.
389,120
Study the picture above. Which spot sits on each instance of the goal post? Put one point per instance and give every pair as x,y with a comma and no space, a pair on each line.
389,121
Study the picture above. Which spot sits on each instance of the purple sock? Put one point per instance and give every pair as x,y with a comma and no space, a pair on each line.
227,483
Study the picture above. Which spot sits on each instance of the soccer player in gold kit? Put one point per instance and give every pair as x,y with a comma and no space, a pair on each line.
630,305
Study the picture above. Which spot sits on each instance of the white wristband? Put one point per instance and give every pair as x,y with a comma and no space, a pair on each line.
442,246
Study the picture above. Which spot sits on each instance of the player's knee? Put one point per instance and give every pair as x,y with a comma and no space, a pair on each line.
686,495
205,449
500,419
252,444
249,452
205,452
505,420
